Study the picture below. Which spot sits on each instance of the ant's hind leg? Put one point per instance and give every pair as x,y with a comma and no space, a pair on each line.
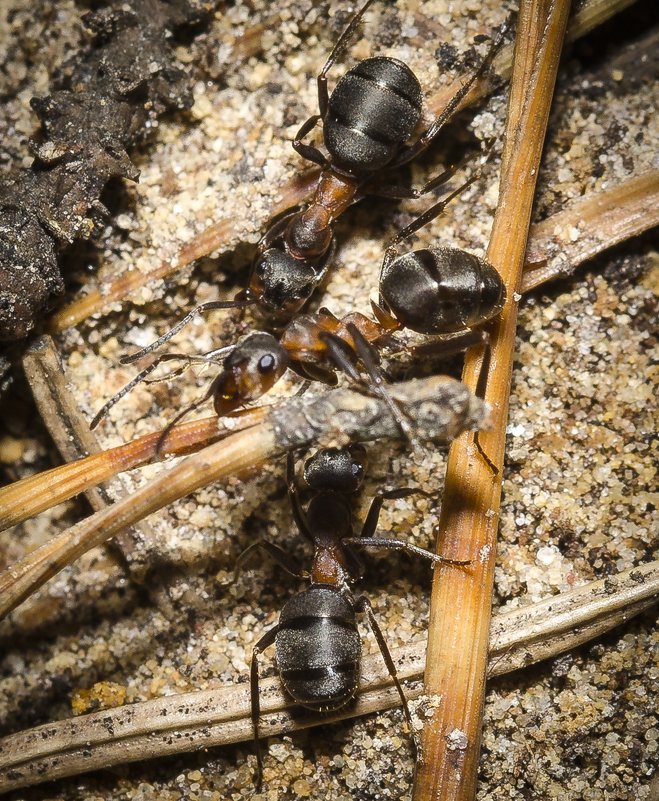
265,641
481,389
438,123
364,605
339,47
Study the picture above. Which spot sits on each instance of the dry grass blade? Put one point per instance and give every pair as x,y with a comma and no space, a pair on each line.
219,235
440,408
198,720
590,225
34,494
458,644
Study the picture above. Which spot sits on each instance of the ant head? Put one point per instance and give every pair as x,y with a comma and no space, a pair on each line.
280,282
256,363
338,469
440,290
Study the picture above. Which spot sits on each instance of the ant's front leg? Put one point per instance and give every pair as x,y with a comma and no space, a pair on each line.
368,540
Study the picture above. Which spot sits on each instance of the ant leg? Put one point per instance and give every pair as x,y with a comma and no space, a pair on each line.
294,498
213,304
368,358
442,348
373,515
437,208
401,545
481,389
342,355
438,123
265,641
283,559
364,605
309,152
403,192
423,219
366,538
183,413
338,48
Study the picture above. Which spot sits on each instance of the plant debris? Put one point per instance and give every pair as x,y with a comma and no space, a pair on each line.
103,100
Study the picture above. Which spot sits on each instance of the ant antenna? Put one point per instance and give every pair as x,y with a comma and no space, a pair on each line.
204,307
141,376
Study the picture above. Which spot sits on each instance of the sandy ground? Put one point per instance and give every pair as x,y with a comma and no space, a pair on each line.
577,490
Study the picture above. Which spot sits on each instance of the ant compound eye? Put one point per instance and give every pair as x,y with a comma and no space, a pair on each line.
266,363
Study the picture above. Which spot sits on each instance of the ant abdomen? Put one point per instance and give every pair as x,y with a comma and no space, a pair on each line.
319,648
441,290
371,113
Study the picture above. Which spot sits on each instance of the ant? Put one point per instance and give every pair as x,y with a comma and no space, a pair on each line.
443,291
367,122
317,641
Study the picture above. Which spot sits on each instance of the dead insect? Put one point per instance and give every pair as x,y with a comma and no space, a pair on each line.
317,641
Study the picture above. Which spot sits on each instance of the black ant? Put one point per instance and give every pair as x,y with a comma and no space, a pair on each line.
317,641
443,291
367,121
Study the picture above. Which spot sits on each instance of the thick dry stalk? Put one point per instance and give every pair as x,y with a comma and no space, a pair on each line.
440,409
202,719
219,236
461,601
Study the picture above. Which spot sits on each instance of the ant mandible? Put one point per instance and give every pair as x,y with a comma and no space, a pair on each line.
367,122
317,642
